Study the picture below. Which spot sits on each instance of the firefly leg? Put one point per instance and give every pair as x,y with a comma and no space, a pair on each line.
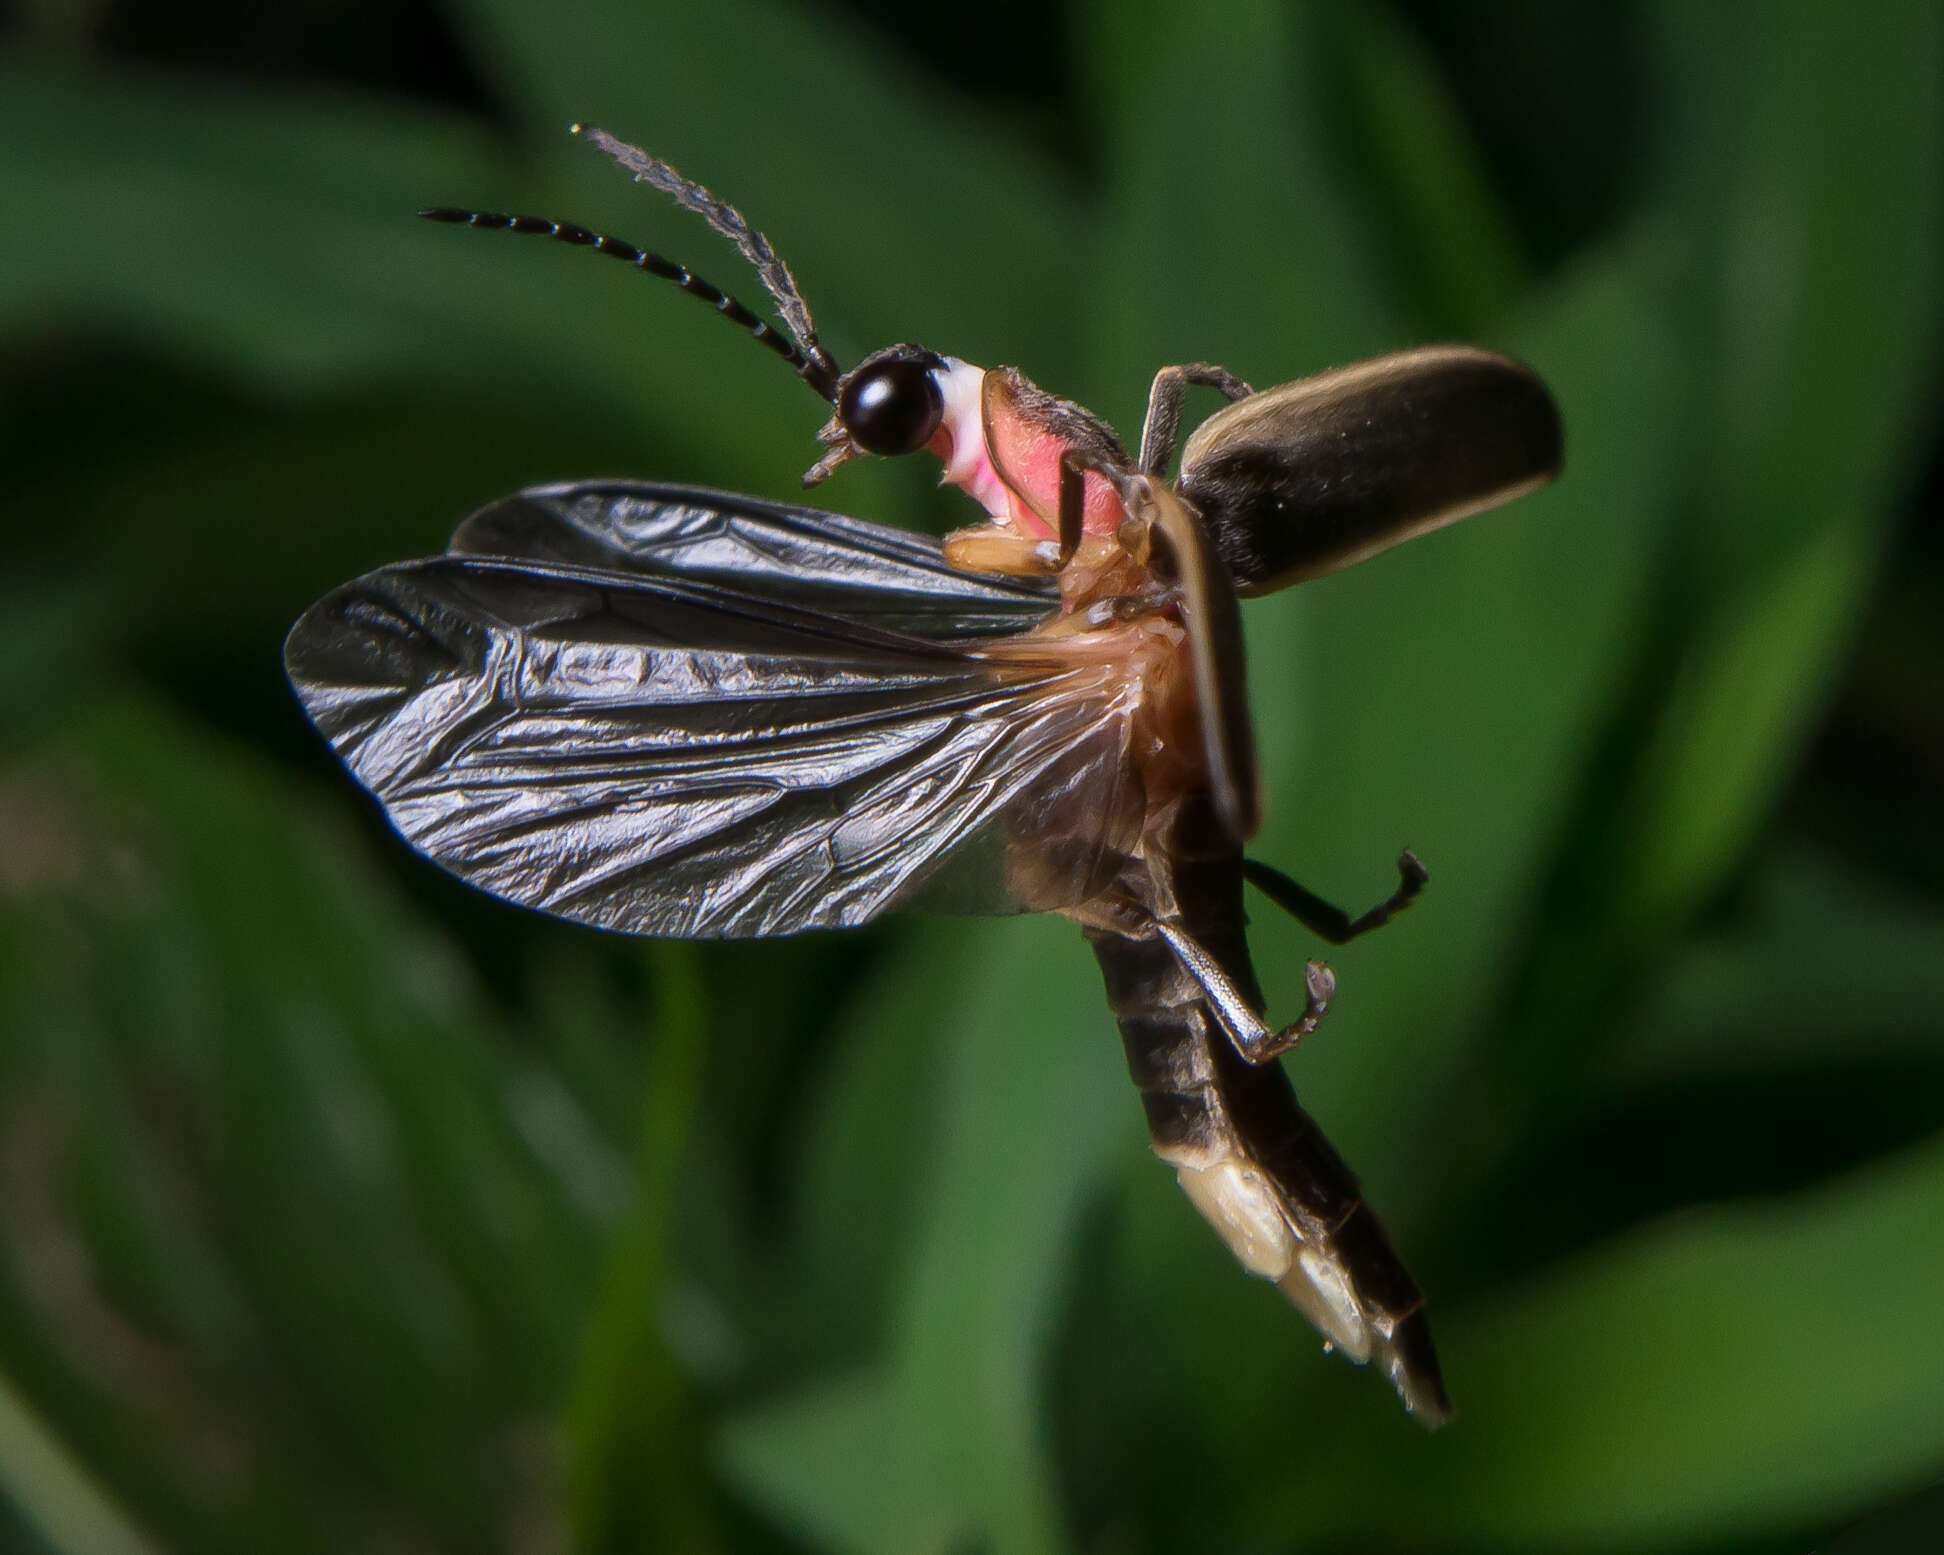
1163,422
1330,922
991,548
1075,466
1253,1037
996,548
1129,607
1074,469
1073,503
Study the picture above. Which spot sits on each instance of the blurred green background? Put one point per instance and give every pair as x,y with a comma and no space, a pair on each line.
343,1209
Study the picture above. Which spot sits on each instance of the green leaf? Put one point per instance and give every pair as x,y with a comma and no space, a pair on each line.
1819,210
1229,235
871,1123
1033,1113
1740,1000
51,635
274,237
841,1464
1453,238
282,1142
210,546
1811,172
631,1420
330,284
1730,1374
1728,730
56,1493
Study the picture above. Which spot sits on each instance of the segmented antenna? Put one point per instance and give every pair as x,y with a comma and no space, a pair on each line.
811,362
821,375
734,226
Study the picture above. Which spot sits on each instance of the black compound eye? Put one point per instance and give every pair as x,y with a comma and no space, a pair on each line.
891,407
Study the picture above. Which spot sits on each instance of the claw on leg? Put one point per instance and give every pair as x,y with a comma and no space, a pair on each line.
1251,1035
1330,922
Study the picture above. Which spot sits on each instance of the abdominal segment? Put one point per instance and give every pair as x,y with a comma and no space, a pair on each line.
1253,1163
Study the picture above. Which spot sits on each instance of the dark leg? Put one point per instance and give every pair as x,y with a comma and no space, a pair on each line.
1333,923
1075,467
1163,422
1252,1036
1130,607
1073,503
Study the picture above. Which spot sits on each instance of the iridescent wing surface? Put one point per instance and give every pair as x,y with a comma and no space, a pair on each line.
848,567
667,750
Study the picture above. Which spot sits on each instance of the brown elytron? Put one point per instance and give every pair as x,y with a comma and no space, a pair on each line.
671,711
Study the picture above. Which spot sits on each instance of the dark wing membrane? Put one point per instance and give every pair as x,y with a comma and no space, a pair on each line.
890,578
664,757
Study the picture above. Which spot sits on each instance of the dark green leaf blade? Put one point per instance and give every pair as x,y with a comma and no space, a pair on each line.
1652,1393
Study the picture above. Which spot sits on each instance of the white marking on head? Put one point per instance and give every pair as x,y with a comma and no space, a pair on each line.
962,386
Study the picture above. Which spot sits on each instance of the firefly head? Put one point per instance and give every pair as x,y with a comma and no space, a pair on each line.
890,403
